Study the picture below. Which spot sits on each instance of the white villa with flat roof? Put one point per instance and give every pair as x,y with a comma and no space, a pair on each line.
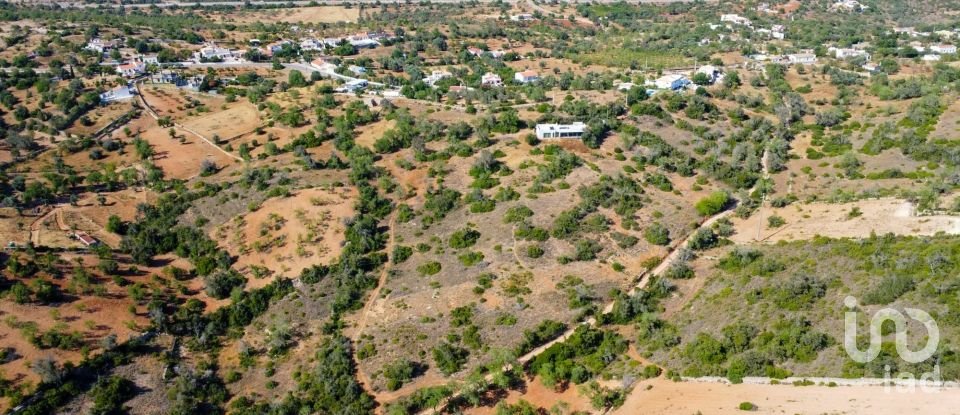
555,131
672,81
844,53
353,85
436,76
735,19
802,58
212,52
943,49
117,94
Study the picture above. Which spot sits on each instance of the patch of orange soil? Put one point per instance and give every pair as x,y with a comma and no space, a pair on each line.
286,235
542,397
181,160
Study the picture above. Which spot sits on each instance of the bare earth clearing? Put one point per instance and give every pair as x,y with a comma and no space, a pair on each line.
669,397
325,14
804,221
239,119
286,235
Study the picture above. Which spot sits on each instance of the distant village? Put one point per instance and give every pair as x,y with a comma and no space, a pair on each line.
147,68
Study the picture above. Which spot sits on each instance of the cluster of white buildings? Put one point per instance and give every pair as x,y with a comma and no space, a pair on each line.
176,79
137,66
776,31
101,46
848,5
847,53
436,76
932,53
522,17
765,8
496,54
736,19
913,32
805,57
910,31
939,49
362,40
212,52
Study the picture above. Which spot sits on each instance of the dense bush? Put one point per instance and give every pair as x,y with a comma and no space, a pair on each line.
712,204
110,393
657,234
449,358
579,358
429,268
464,238
219,284
888,289
543,333
398,373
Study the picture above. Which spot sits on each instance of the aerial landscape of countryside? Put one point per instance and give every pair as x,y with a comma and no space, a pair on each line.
523,207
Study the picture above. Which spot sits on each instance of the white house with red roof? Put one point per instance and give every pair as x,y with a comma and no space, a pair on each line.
526,77
491,79
132,69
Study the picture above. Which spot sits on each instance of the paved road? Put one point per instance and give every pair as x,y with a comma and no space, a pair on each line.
166,4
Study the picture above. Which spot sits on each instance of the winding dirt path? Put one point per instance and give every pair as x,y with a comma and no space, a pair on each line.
153,114
384,274
38,223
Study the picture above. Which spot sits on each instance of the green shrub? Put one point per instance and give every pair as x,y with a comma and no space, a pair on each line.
679,271
775,221
449,358
712,204
463,238
586,249
483,206
534,251
110,393
401,253
470,259
889,289
517,214
399,372
429,268
623,240
657,234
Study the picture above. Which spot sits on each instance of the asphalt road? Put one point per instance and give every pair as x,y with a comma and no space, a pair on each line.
163,4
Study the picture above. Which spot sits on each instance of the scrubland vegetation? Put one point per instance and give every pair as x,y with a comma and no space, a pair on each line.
257,237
